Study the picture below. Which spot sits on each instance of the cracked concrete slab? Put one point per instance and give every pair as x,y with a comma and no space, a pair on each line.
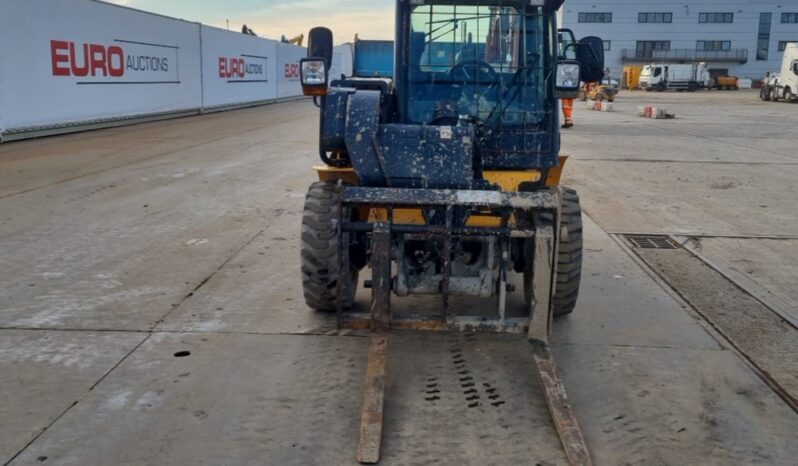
765,268
619,304
234,399
179,210
81,253
668,406
46,372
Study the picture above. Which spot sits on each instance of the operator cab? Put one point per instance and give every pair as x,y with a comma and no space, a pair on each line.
475,89
464,62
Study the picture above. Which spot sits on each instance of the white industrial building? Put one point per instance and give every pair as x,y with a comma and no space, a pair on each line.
743,38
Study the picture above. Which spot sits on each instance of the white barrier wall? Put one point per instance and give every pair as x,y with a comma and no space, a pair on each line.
343,61
67,65
288,57
72,61
237,68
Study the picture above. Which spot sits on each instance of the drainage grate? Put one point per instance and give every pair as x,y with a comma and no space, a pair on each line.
652,241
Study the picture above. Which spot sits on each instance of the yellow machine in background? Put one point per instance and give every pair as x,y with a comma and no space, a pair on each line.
298,40
598,92
727,83
631,77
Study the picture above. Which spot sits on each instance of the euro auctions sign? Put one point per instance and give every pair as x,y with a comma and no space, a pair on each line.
292,71
243,69
120,62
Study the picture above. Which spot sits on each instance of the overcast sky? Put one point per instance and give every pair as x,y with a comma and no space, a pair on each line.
372,19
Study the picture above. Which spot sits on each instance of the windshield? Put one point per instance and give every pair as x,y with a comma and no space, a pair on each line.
482,63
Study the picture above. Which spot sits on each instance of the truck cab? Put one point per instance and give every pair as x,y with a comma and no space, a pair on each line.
784,85
661,76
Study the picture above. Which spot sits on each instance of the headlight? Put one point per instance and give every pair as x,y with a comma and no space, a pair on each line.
567,76
314,73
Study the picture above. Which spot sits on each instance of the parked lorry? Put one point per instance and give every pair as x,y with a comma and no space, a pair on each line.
784,85
661,76
373,58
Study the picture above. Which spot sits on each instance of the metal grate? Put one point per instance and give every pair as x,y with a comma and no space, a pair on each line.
652,241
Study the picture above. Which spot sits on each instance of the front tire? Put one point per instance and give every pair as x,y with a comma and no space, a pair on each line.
569,260
319,251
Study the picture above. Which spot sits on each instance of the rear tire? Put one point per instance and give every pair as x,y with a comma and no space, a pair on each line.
319,250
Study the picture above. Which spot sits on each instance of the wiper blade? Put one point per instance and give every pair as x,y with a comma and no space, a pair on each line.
506,99
444,33
458,19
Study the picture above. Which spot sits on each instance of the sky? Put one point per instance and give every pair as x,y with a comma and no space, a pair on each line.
371,19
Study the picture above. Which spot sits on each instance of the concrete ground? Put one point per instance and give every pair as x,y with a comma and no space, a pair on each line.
150,308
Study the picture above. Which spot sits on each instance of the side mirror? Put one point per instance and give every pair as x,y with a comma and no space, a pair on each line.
590,55
320,44
315,69
566,84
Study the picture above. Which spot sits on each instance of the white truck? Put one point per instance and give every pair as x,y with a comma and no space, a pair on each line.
784,85
661,76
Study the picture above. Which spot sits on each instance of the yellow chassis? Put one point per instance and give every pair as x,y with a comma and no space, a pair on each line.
507,180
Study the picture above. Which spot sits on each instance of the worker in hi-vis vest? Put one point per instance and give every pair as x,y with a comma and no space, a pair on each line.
568,112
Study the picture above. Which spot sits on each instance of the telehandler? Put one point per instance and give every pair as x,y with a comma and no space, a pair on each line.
445,179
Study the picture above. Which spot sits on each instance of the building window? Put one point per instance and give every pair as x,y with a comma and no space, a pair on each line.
595,17
716,17
789,18
655,17
713,45
783,44
646,48
763,39
607,45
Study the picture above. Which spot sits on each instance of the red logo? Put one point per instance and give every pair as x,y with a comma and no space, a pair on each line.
232,67
86,60
238,68
292,70
97,60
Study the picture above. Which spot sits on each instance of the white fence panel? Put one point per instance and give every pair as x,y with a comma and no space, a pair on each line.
288,83
343,61
237,68
75,61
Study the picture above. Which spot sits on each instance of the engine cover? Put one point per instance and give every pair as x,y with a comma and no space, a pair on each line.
406,156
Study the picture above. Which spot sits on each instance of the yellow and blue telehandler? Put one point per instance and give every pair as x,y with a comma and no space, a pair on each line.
444,180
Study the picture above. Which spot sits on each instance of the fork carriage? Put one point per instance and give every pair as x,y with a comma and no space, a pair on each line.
449,255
